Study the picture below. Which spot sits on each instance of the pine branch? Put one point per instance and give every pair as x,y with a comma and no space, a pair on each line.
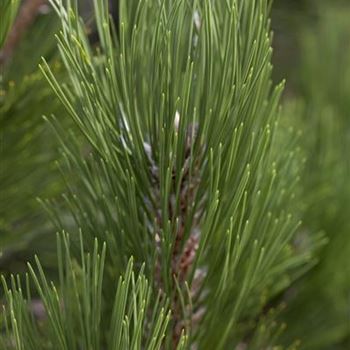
74,313
180,166
165,65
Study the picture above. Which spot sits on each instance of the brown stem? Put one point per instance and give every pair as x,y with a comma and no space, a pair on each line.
25,18
185,248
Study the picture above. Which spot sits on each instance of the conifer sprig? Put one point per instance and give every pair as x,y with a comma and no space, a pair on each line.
74,315
180,164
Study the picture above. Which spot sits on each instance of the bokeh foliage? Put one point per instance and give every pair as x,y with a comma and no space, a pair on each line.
28,149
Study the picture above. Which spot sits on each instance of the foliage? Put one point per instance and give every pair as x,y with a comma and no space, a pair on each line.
322,299
75,313
207,203
8,10
28,149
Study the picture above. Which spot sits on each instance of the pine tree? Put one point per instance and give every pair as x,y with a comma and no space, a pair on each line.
28,148
180,179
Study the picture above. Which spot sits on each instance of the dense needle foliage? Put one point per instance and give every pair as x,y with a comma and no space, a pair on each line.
182,176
